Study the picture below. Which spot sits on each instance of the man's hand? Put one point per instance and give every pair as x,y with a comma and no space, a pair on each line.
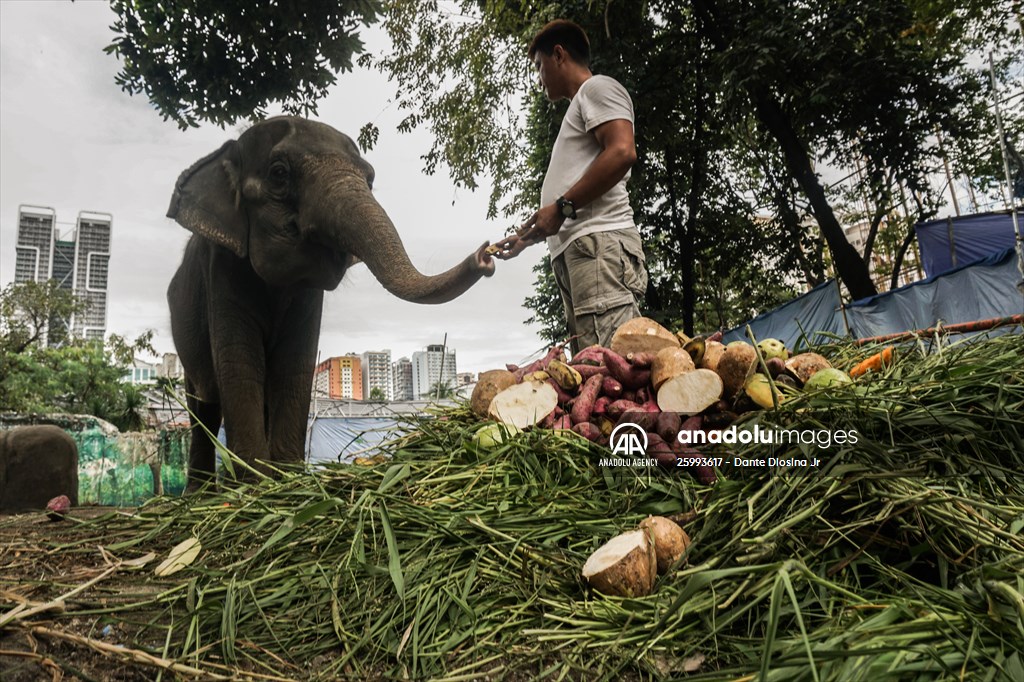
541,225
509,247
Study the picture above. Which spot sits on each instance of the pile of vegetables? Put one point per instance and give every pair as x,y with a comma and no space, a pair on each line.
664,382
901,560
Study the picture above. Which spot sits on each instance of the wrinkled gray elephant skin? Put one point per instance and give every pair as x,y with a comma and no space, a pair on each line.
277,217
37,463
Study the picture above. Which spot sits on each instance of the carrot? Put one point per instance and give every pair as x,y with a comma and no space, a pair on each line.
875,363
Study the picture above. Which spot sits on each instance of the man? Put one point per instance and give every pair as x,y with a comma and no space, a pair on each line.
585,216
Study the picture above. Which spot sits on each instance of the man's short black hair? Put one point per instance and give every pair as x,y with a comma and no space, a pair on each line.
568,34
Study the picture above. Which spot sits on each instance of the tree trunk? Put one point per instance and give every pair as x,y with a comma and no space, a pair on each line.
850,267
897,261
679,231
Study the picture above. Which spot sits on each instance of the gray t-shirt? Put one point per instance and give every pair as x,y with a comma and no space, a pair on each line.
600,99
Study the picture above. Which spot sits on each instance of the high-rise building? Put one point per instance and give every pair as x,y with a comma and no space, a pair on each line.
79,264
401,374
377,374
338,378
92,260
430,367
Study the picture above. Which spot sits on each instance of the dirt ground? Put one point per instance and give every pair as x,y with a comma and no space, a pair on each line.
36,567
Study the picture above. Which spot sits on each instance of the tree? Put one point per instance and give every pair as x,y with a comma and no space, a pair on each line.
226,60
27,309
377,393
441,390
80,377
734,121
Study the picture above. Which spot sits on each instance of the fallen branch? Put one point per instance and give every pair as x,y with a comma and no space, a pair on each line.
22,611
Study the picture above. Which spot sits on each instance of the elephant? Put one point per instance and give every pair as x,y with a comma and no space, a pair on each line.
278,216
37,463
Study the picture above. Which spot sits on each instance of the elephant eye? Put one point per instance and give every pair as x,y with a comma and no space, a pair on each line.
278,172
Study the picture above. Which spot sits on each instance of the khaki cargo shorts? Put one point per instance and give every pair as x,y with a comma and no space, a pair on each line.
602,278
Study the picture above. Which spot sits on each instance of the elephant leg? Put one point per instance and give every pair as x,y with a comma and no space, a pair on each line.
290,378
202,452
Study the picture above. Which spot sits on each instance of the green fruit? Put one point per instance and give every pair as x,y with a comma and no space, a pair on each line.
773,348
493,435
825,378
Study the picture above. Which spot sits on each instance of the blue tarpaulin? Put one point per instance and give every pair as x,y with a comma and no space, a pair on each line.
978,291
340,439
814,312
948,243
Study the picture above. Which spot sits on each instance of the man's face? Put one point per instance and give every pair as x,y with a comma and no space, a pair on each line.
547,73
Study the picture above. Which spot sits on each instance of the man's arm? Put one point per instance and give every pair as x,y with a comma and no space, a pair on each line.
618,154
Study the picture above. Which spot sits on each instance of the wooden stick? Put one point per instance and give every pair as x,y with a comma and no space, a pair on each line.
20,612
119,651
962,327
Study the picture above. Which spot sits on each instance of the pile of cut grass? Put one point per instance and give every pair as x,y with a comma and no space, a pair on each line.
902,558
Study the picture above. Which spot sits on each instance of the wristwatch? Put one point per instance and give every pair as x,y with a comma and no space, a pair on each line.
566,208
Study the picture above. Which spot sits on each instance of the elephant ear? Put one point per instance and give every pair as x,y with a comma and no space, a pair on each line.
207,200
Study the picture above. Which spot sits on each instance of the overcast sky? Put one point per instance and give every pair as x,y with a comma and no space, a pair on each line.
71,140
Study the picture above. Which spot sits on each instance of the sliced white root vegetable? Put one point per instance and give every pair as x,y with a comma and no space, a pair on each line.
524,404
641,334
625,566
690,393
669,362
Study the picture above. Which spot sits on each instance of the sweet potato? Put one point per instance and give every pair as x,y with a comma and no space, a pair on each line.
616,408
611,388
659,449
601,406
587,371
555,352
563,423
593,355
668,425
630,377
642,418
641,359
583,406
549,421
563,395
589,431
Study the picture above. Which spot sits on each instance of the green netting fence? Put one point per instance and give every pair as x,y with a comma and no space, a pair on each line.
120,469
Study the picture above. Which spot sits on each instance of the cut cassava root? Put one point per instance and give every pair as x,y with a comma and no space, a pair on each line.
690,393
625,566
524,404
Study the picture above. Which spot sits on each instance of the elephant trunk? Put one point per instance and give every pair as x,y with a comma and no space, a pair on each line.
367,232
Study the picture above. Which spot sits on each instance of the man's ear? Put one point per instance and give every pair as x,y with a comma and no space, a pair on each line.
207,200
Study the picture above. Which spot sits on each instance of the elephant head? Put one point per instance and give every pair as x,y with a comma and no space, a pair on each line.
294,197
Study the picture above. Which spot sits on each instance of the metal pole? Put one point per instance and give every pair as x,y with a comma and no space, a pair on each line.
440,372
1006,170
